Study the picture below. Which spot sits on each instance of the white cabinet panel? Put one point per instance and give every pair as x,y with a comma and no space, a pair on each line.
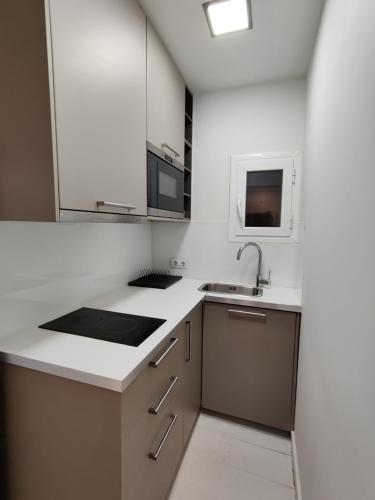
99,57
165,98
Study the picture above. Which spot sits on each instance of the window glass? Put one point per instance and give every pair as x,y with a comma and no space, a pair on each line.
263,198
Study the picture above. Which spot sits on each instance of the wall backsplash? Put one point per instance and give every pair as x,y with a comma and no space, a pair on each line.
47,269
212,257
253,119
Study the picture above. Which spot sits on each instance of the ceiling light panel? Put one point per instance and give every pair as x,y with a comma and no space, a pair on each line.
228,16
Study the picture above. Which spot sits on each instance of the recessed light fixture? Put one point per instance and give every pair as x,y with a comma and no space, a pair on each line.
228,16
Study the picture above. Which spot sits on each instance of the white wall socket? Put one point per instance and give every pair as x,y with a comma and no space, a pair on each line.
179,263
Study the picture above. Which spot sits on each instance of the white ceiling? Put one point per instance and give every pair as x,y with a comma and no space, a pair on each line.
280,45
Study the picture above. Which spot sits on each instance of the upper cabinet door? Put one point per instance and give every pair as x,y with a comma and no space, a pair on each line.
165,99
99,61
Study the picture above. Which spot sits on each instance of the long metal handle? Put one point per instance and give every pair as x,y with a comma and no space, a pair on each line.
248,314
188,325
155,456
165,145
115,205
155,410
155,364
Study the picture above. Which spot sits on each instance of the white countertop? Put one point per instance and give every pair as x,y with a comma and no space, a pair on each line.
114,366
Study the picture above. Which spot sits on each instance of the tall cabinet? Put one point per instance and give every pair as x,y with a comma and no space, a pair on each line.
73,100
165,99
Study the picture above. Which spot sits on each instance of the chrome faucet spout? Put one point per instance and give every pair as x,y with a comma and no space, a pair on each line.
260,281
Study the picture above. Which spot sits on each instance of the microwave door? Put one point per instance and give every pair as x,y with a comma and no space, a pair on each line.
170,188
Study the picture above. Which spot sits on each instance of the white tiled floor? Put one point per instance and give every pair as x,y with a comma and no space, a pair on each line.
230,461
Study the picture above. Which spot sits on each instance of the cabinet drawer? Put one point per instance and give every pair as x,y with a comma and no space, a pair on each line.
150,386
152,455
152,419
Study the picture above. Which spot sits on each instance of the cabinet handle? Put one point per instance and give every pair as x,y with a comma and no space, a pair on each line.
188,325
115,205
165,145
155,456
247,314
155,364
155,410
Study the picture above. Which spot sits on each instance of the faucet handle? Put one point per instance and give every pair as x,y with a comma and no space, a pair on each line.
265,282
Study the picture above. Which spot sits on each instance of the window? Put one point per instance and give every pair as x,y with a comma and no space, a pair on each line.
263,198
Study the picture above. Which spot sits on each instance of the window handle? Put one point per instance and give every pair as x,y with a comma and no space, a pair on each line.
240,210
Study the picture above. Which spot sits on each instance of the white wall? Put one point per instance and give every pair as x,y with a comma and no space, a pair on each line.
336,391
47,269
212,257
252,119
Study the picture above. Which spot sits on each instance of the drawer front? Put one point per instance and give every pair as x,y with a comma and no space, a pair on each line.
152,416
249,356
150,386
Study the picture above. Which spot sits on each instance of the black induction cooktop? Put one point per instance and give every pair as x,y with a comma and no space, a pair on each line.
111,326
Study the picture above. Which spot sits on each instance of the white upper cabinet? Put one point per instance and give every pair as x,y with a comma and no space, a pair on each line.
99,67
165,99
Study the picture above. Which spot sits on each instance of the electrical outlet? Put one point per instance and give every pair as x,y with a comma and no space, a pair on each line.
179,263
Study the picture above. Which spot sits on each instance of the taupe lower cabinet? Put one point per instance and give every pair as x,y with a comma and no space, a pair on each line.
71,441
250,363
193,371
73,108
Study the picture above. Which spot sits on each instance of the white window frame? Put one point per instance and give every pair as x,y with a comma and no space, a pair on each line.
289,162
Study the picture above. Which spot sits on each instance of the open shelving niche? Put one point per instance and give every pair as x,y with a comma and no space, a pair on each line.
188,152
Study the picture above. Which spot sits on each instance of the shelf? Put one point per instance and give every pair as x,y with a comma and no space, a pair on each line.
188,152
188,103
166,219
188,131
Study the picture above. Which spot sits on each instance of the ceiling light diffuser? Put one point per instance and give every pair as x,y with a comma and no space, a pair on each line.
228,16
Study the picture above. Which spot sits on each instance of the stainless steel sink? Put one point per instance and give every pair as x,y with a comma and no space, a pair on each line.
248,291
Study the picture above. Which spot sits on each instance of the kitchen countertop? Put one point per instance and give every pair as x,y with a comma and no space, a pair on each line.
114,366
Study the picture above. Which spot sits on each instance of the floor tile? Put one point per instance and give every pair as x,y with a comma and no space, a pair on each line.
259,437
203,479
227,460
271,465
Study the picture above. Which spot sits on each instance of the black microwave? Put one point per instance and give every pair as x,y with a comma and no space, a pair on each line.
165,185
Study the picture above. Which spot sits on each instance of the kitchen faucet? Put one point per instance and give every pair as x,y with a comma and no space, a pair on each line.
260,280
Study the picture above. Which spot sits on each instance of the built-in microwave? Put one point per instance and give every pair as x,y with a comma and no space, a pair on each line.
165,184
